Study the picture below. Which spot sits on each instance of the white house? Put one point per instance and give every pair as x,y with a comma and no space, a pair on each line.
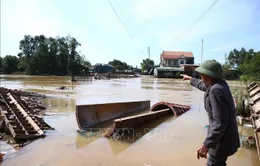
176,59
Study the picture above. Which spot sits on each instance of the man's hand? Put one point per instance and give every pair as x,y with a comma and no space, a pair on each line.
202,152
185,77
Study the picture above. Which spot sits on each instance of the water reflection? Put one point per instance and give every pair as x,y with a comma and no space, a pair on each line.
85,138
149,83
59,104
146,131
147,87
118,85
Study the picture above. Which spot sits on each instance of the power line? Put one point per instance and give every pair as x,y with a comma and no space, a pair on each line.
198,19
201,50
128,33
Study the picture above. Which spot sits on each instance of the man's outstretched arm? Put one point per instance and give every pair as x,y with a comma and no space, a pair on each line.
199,84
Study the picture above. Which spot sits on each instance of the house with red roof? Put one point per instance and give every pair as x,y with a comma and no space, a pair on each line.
176,58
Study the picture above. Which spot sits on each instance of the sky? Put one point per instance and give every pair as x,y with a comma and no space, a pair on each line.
158,24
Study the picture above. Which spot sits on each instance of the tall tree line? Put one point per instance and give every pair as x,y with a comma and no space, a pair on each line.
40,55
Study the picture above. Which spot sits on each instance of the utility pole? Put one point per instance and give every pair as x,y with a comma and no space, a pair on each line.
148,50
201,50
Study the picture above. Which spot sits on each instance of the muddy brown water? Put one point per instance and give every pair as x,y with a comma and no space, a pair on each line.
171,141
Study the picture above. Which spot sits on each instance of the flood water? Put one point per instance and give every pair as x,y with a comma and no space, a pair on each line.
171,141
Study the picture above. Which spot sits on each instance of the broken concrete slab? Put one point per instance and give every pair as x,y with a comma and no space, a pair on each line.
177,109
93,114
123,126
132,122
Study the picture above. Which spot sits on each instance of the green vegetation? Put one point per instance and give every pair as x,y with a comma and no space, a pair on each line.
9,64
45,56
118,65
40,55
243,65
147,64
246,65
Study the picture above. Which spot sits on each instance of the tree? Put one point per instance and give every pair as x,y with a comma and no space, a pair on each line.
246,62
228,73
49,56
74,58
86,63
62,56
147,64
118,65
10,64
237,57
1,62
251,67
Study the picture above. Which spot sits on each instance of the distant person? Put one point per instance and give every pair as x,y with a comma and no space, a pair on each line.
222,139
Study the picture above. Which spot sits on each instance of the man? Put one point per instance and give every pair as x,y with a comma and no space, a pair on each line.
222,139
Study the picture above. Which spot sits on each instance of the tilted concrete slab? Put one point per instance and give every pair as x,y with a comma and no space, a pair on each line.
177,109
133,122
158,110
93,114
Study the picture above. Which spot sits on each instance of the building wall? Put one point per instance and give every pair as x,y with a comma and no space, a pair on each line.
173,62
176,62
181,61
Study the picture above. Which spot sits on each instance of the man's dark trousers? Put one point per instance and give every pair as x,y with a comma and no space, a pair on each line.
216,161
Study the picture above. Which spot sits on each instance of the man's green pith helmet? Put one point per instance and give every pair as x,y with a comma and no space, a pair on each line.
211,68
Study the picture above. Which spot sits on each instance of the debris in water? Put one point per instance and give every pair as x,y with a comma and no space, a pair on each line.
62,88
248,125
20,116
123,126
249,142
